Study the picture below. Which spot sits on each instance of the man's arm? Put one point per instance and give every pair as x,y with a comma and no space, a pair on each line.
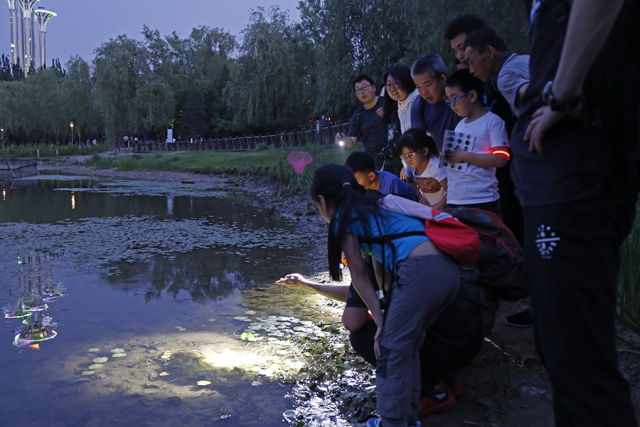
354,130
347,141
590,24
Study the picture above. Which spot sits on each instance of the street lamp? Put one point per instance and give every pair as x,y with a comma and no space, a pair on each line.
71,124
2,136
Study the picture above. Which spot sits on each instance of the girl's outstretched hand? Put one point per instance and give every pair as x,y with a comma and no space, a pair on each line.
292,281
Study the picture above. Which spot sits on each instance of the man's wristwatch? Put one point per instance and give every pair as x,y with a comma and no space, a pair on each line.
556,104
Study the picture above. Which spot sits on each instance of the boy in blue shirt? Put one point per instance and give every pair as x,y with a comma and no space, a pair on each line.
363,166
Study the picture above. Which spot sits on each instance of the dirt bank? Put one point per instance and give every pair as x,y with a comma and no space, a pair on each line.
505,386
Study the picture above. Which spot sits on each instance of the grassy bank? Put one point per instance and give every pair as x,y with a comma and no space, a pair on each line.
264,160
14,151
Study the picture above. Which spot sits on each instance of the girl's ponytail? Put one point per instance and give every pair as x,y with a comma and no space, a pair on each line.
339,188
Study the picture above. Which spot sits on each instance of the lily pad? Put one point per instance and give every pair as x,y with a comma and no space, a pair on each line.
117,350
88,372
96,366
221,380
248,337
119,355
164,374
250,312
256,383
100,359
225,415
93,350
243,318
203,383
211,320
181,329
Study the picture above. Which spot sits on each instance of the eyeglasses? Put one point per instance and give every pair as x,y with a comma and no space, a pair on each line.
362,89
454,100
392,86
409,156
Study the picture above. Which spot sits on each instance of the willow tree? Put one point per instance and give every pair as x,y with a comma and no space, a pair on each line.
370,36
197,69
271,81
130,97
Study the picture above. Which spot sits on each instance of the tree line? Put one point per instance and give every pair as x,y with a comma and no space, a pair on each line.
279,74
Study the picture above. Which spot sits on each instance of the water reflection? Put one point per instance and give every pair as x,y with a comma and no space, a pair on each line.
36,288
205,274
144,281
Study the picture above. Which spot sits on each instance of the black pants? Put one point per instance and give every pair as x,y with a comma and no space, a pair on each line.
452,342
572,259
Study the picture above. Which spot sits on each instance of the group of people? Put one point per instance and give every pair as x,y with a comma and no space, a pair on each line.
549,116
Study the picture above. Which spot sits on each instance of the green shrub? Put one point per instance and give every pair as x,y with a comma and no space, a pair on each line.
99,162
262,146
126,163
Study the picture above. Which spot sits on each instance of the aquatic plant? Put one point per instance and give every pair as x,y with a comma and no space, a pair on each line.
336,385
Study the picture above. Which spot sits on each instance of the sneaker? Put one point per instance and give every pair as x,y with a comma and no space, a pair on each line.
456,387
377,422
374,422
440,399
524,319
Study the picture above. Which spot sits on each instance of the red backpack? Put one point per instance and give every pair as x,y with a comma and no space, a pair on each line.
449,235
471,236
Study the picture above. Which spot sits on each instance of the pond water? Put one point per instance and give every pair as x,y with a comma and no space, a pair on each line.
145,303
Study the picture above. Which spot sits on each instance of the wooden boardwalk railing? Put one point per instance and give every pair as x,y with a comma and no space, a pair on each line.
286,139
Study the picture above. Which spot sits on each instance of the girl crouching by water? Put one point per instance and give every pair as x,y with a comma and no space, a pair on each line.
426,281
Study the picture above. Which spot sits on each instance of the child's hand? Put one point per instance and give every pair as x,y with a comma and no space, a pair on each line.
403,174
455,156
292,281
428,185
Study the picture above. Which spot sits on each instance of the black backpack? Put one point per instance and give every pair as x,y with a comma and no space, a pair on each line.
500,263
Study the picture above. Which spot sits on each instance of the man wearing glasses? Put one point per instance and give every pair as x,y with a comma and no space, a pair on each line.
366,125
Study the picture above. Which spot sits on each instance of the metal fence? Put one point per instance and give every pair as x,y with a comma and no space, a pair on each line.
325,136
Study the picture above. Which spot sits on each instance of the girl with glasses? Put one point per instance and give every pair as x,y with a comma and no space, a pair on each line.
424,174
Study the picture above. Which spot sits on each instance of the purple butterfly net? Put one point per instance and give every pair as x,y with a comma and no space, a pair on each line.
300,159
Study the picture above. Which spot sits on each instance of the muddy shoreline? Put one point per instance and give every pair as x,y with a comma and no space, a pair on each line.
505,386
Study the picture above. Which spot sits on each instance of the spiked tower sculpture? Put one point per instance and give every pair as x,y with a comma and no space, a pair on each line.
43,16
13,28
28,43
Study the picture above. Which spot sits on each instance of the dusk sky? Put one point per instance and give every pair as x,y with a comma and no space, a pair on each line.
81,26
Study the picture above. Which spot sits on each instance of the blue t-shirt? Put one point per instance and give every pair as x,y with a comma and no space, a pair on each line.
434,118
391,184
390,223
